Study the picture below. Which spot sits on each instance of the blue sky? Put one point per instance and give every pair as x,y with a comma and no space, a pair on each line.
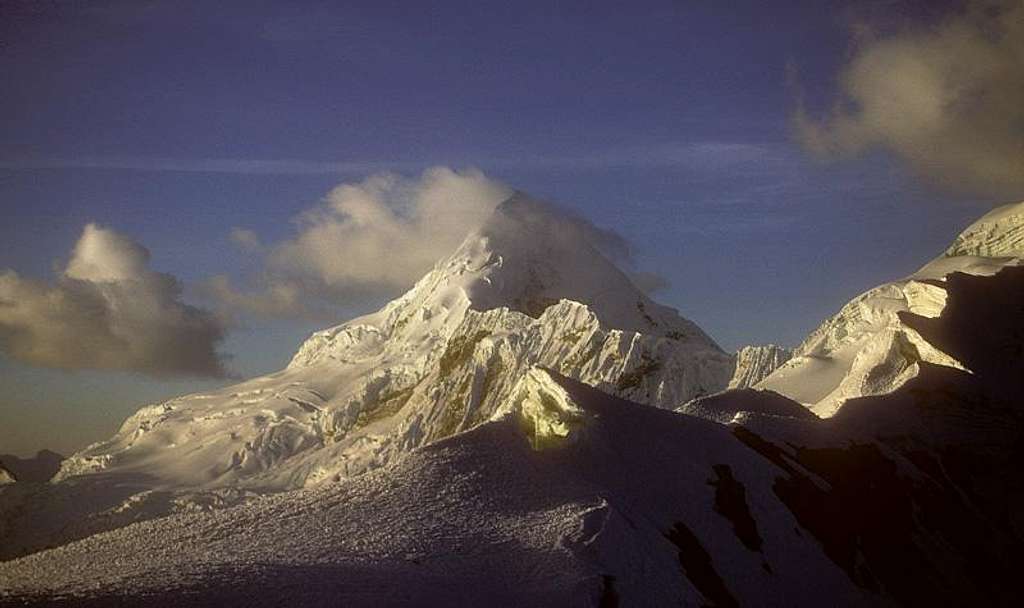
669,122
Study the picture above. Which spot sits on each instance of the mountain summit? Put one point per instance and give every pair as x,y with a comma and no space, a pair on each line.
530,287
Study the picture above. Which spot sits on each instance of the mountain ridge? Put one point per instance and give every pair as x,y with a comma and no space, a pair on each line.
436,360
867,349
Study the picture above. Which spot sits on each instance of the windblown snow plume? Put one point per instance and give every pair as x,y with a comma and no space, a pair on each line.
107,311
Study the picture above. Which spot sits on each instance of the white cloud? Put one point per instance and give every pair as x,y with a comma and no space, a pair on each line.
366,239
107,310
387,231
103,255
948,99
377,237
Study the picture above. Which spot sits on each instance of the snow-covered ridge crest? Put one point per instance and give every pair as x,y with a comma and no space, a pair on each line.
867,349
521,291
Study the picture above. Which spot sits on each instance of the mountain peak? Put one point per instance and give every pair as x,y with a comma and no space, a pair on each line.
531,287
530,254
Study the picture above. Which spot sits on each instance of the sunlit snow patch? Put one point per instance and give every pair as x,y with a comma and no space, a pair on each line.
543,409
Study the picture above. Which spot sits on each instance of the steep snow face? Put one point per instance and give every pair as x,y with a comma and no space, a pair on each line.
526,289
866,349
754,363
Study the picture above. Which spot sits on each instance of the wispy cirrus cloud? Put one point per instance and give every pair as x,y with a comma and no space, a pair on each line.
200,165
696,155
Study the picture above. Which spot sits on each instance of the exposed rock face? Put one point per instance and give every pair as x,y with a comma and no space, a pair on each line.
755,363
868,349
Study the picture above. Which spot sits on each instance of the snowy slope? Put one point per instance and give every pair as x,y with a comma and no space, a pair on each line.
570,496
867,348
567,497
525,289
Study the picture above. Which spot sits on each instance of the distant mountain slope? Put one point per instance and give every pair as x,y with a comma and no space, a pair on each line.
868,349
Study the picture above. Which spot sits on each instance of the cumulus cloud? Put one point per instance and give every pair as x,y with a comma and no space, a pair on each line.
364,240
375,238
107,310
386,231
948,99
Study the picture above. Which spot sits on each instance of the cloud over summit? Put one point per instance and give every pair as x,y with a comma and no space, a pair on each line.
377,237
107,310
364,240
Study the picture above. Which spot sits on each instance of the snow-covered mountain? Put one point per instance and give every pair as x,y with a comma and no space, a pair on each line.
552,491
525,289
868,348
570,496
